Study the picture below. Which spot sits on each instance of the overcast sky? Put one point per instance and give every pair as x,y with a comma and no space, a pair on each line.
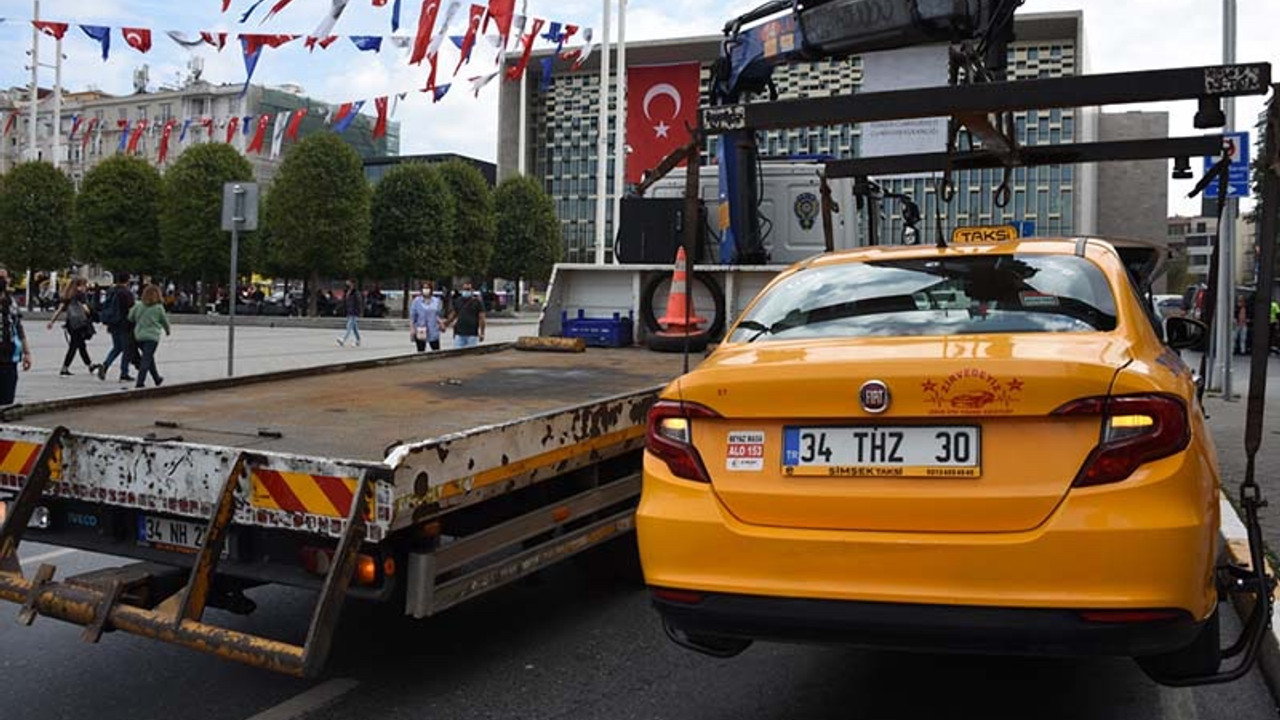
1128,35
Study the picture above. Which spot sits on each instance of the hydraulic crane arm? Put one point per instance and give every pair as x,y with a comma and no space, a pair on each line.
805,31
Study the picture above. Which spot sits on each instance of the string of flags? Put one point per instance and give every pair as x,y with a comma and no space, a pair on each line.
287,125
508,28
497,23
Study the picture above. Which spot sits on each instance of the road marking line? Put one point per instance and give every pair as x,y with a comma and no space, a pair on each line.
46,556
309,701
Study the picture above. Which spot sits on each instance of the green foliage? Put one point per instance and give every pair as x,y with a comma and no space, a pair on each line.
412,224
118,216
1177,272
476,227
528,242
195,245
318,212
37,206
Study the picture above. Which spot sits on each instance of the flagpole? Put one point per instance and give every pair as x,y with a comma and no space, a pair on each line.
620,122
522,164
57,103
602,138
32,151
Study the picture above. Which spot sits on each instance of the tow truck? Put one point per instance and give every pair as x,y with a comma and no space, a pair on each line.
423,482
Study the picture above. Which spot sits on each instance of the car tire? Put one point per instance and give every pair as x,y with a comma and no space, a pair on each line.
696,342
650,318
1201,657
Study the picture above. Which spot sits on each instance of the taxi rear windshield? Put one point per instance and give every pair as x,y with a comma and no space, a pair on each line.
1018,293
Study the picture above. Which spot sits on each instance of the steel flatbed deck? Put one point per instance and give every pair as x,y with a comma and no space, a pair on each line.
362,411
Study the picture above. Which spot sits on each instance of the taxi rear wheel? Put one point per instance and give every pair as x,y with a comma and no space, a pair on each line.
1201,657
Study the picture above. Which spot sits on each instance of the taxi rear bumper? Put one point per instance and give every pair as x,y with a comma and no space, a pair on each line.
714,617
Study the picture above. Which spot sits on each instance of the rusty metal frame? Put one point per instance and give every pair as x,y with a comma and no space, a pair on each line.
179,622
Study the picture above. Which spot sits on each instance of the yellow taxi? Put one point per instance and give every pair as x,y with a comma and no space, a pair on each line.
980,448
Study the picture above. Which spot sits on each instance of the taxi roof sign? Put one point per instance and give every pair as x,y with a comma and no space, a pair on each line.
978,234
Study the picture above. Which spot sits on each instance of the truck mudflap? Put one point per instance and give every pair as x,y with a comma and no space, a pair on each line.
46,462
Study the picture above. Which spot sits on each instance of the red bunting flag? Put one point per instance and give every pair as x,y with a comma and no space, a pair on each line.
343,110
225,4
379,3
75,126
88,133
232,125
469,40
294,123
259,134
380,127
207,124
254,43
137,38
8,123
53,29
501,13
164,141
516,71
426,23
324,43
138,129
280,5
216,39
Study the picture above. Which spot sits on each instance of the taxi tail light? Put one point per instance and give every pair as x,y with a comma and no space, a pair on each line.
670,437
1136,429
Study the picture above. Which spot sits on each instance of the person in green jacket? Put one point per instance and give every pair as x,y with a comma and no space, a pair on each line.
149,318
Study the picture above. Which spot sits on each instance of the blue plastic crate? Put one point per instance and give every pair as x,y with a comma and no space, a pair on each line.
599,332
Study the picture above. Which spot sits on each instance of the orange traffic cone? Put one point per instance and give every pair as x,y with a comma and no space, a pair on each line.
680,324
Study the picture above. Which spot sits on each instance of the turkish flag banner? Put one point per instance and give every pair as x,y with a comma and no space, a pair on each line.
662,103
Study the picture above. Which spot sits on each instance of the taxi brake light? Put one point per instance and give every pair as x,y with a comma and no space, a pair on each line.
1136,430
670,437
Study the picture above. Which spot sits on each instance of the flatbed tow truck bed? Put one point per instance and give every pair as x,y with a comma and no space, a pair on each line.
443,475
359,414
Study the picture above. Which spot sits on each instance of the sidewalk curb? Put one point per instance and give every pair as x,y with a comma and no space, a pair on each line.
1237,544
309,323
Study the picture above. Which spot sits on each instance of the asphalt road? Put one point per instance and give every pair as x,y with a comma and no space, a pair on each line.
560,645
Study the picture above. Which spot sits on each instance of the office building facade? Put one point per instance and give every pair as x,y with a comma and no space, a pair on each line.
561,140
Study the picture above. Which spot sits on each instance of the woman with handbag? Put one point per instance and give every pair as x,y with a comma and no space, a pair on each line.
78,324
424,319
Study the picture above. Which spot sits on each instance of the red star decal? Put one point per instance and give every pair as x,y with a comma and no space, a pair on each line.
1015,385
929,386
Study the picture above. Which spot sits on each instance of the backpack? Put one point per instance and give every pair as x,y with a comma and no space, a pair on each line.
110,314
77,318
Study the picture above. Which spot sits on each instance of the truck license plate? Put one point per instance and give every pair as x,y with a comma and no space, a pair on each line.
950,451
168,534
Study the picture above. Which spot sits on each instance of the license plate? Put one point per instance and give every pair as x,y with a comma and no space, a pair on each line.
950,451
168,534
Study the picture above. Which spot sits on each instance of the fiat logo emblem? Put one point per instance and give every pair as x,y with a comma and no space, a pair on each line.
874,395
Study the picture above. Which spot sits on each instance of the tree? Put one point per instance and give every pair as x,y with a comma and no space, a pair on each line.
528,242
319,210
476,227
118,215
37,206
412,221
1177,272
195,245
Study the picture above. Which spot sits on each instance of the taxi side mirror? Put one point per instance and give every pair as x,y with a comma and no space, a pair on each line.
1182,333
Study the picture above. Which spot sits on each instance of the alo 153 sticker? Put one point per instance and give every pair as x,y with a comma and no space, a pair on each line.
745,451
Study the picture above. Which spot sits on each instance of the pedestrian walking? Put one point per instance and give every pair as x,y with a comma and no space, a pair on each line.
1242,327
115,318
78,325
13,343
424,319
149,318
466,317
1275,326
354,304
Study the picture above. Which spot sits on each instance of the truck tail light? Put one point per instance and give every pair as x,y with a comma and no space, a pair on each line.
1136,429
670,437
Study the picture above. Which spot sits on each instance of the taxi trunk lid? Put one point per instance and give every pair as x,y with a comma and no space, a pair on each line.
998,390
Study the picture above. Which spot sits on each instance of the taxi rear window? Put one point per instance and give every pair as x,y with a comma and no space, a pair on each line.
1019,293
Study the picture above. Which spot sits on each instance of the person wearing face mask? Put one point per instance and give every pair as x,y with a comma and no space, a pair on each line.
466,317
13,343
424,319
